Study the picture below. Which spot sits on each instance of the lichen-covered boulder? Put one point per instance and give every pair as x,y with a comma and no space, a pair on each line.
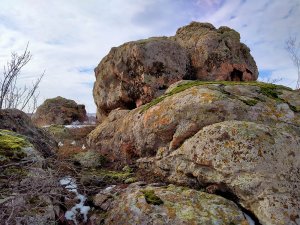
136,72
172,205
240,138
258,163
59,111
166,122
17,121
15,147
216,54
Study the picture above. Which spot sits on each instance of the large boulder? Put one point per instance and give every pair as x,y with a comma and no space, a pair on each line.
238,138
59,111
140,204
216,54
136,72
257,163
17,121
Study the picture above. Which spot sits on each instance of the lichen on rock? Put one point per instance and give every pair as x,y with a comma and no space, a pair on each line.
171,205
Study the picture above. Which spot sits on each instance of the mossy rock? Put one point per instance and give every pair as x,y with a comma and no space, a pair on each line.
151,198
11,146
58,131
131,180
270,90
103,177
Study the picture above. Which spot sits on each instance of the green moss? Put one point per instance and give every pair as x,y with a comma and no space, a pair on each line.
130,180
58,131
250,102
151,198
106,176
11,145
267,89
127,169
270,91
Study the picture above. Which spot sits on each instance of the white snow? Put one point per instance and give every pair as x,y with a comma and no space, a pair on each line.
249,219
76,126
70,185
73,143
60,144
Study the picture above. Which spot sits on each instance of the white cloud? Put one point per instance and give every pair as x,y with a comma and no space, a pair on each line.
69,38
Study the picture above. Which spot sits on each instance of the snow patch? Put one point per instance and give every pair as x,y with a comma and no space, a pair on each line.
70,184
76,126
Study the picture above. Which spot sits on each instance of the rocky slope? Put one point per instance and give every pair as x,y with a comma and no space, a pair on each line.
136,72
17,121
59,111
28,190
239,139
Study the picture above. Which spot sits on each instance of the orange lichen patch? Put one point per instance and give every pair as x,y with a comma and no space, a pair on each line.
207,97
229,144
149,114
153,118
163,121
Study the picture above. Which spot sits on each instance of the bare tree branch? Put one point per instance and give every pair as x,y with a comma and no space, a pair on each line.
12,96
293,48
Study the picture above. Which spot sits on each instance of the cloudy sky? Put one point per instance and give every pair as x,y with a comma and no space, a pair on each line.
68,38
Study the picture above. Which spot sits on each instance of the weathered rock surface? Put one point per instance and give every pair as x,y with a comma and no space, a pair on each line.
183,138
17,121
59,111
136,72
260,164
216,54
169,120
171,205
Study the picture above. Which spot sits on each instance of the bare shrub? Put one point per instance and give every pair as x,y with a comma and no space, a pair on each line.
13,96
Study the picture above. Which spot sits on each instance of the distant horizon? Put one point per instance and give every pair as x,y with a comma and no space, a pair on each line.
68,40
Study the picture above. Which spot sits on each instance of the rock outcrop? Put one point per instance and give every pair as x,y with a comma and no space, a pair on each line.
59,111
17,121
149,204
216,54
237,138
136,72
166,122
